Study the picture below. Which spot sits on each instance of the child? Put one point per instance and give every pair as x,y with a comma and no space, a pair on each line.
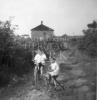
39,59
54,70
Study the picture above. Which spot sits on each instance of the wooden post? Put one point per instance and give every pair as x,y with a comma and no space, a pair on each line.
60,55
33,47
38,44
50,50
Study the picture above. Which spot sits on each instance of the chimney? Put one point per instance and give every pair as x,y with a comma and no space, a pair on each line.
41,22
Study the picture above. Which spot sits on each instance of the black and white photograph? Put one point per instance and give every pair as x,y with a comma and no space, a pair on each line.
48,49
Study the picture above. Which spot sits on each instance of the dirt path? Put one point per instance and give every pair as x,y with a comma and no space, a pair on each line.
25,91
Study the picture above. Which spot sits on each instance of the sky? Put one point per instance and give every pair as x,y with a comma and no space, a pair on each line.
64,16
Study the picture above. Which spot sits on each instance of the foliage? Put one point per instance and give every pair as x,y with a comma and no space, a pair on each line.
15,59
88,43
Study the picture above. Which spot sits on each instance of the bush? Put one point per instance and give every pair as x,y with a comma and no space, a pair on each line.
15,59
4,75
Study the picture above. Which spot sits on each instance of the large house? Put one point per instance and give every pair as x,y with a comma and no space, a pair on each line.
42,32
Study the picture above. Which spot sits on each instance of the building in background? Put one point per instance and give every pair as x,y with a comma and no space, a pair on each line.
25,36
42,32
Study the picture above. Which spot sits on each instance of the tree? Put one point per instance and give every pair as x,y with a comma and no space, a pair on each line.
89,42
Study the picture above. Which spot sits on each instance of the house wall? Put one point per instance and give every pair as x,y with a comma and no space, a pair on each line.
41,34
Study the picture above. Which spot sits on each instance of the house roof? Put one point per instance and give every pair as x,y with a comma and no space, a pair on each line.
42,27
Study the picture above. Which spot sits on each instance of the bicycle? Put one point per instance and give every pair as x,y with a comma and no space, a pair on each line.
49,83
37,74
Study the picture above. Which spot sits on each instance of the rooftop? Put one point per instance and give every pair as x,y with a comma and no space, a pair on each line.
42,27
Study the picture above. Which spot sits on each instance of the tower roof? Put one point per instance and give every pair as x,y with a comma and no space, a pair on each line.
42,27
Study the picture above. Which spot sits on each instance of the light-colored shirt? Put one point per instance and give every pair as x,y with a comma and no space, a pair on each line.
55,69
40,58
